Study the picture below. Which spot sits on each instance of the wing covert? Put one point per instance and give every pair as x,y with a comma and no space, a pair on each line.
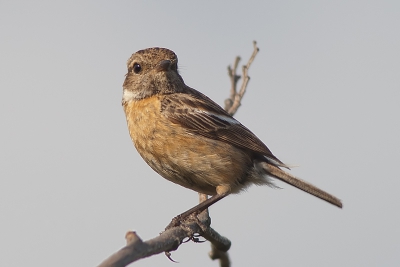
200,115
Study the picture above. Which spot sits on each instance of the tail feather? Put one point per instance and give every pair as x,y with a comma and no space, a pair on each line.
300,184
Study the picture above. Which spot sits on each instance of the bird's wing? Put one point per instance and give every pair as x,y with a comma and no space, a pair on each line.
200,115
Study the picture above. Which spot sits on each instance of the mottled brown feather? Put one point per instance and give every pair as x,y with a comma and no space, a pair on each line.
194,111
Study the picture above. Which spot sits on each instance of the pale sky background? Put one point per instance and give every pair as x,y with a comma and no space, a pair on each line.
324,94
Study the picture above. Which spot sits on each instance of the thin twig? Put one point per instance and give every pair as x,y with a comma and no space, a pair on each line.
234,80
236,98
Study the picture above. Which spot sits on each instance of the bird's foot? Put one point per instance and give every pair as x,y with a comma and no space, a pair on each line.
195,238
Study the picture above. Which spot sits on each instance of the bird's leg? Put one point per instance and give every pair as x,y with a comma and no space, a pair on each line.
196,209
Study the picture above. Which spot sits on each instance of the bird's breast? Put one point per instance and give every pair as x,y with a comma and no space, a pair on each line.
191,160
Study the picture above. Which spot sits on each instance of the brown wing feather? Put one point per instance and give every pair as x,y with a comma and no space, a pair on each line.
200,115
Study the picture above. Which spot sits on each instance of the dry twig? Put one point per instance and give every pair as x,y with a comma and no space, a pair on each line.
233,103
167,241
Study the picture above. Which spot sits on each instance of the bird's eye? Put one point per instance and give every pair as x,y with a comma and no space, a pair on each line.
137,68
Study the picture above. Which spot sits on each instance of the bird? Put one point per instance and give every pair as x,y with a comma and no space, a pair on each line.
190,140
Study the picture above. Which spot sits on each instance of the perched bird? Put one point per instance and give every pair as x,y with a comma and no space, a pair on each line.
190,140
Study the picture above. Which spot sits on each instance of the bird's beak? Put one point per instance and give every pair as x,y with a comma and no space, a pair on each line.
164,65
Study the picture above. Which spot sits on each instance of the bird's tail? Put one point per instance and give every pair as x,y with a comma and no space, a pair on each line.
300,184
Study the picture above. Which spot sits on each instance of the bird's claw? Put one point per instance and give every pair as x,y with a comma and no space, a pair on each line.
168,254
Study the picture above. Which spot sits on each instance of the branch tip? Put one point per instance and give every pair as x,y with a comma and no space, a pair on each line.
132,237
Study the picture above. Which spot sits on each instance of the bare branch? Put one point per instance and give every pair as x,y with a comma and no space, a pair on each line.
222,256
234,80
167,241
235,99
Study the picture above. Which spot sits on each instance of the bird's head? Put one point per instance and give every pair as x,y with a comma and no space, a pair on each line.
151,71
